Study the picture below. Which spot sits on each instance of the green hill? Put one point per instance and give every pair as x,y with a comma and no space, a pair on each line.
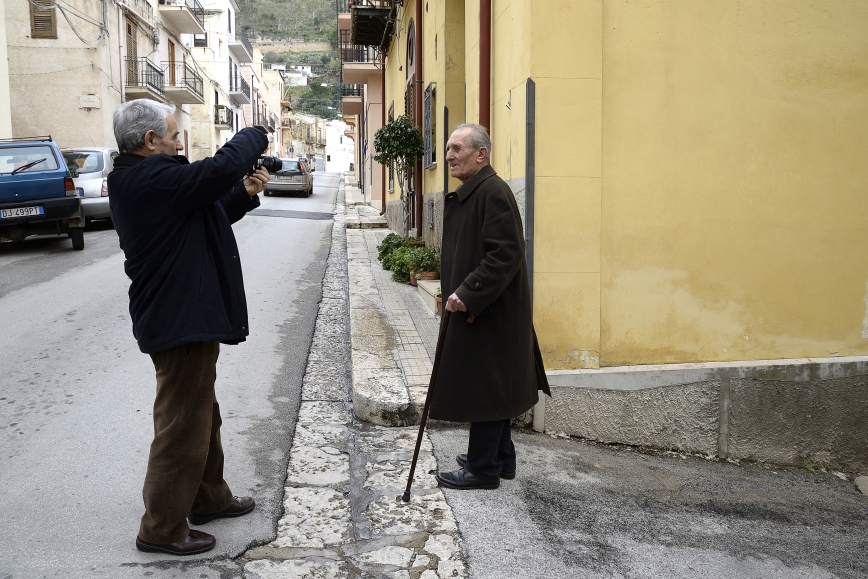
306,20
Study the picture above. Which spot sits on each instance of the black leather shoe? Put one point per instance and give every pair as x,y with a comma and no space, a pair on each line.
463,480
195,542
461,459
239,506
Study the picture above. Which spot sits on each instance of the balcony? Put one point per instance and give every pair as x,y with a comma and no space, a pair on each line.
351,99
372,23
273,122
240,47
183,84
343,10
239,90
224,118
144,80
358,62
185,16
141,11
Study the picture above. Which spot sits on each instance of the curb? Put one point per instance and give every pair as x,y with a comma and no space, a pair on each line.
381,394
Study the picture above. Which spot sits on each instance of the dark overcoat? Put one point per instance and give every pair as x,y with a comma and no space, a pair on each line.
174,222
490,369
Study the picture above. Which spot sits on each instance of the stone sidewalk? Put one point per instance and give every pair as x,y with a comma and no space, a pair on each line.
341,517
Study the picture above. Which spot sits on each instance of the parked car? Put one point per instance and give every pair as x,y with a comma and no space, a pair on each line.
37,194
293,177
89,168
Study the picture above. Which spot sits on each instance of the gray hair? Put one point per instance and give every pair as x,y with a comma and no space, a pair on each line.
135,118
478,137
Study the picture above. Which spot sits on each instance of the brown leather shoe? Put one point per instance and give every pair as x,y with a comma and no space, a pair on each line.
195,542
239,506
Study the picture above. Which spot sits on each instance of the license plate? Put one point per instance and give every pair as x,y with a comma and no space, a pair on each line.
21,212
285,178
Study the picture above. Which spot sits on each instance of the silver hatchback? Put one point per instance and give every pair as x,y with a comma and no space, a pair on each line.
90,168
293,177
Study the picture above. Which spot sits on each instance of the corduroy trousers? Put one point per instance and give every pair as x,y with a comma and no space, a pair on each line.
185,465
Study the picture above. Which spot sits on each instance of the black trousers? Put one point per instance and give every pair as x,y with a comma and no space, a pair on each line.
490,450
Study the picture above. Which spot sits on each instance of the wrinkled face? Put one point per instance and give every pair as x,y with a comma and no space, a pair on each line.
170,144
464,161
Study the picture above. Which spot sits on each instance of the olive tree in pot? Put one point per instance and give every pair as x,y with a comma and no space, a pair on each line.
399,142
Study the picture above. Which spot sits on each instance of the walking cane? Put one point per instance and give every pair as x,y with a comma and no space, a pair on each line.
470,317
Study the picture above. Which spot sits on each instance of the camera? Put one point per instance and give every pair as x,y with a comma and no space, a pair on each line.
271,164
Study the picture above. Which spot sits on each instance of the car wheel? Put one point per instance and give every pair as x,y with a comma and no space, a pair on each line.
77,236
309,191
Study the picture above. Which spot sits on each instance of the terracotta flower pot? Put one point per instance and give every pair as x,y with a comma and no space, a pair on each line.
429,275
439,301
413,279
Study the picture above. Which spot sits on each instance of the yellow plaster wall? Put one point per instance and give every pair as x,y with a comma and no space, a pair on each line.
566,64
733,182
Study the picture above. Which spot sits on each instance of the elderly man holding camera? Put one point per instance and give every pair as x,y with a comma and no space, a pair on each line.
173,219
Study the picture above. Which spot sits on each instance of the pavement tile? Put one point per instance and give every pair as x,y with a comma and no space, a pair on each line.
296,569
322,411
425,512
318,466
319,435
313,517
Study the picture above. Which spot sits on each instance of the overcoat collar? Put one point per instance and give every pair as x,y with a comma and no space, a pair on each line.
465,189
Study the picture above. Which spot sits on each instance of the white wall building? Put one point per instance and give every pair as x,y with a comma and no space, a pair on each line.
82,68
339,149
5,100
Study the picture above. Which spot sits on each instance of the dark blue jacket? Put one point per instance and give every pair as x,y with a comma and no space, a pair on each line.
174,220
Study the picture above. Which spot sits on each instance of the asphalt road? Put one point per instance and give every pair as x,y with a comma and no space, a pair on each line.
76,396
578,509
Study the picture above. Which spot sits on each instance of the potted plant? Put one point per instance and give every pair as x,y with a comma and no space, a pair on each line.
399,142
438,299
427,263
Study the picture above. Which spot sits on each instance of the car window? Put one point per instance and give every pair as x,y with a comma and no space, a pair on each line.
290,165
14,157
83,161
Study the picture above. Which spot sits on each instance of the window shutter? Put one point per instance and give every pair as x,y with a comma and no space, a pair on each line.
43,21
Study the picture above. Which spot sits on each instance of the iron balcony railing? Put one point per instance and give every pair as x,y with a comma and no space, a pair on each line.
273,121
182,74
144,73
351,90
241,37
192,5
238,84
350,52
343,6
223,115
141,8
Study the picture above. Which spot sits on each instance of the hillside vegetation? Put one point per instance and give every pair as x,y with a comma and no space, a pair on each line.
277,21
307,20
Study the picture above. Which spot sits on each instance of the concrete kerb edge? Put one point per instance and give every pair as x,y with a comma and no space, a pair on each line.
380,394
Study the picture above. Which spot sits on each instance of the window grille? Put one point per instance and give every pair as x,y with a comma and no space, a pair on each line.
43,20
428,128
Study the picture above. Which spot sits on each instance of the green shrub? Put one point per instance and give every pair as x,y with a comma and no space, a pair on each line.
400,262
389,244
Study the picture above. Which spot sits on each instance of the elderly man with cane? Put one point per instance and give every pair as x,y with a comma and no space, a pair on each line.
491,369
173,219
